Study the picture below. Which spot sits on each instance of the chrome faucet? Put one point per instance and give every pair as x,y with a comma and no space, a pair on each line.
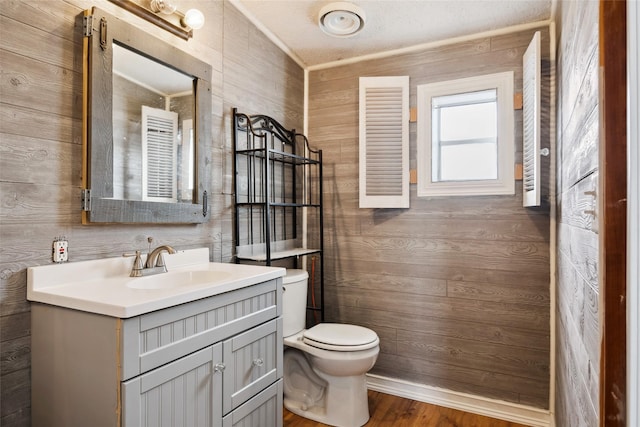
154,264
154,259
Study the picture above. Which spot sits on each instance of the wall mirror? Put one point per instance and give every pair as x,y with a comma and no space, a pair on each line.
147,109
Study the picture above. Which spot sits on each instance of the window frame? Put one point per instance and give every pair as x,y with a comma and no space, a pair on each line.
504,184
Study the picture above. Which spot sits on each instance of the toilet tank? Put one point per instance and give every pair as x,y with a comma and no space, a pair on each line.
294,301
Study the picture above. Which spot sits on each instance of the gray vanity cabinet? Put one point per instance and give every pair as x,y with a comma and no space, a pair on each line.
216,361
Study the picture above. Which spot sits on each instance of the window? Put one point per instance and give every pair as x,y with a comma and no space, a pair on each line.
465,136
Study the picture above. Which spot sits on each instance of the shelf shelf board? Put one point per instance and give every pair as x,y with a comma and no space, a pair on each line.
296,205
286,205
288,253
278,155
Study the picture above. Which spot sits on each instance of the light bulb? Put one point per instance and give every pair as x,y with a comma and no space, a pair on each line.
193,18
163,6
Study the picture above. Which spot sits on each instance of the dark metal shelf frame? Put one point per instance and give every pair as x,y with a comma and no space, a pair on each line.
277,178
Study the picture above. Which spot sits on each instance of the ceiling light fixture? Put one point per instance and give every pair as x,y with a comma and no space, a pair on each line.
193,19
341,19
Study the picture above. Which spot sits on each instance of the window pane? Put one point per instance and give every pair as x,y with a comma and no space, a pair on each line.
477,97
468,162
464,139
468,122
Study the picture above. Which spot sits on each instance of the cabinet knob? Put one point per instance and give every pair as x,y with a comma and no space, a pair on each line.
219,367
258,362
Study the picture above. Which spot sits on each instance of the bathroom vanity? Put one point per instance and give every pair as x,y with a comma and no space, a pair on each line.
200,345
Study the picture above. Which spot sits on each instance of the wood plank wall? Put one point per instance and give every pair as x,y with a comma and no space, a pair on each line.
456,288
40,151
577,329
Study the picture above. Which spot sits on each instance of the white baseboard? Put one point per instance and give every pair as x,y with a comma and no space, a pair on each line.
461,401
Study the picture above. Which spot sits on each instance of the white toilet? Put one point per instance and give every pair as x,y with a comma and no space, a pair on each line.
324,366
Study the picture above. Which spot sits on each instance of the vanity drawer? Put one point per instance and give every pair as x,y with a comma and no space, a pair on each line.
253,361
156,338
265,409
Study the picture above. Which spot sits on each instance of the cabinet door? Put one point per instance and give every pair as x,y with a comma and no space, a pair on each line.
261,411
253,362
187,392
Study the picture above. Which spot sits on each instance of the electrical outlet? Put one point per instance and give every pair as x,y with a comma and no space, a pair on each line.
60,250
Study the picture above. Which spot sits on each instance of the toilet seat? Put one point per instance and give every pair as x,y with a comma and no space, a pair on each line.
340,337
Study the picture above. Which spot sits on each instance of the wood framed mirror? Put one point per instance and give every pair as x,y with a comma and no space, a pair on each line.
146,121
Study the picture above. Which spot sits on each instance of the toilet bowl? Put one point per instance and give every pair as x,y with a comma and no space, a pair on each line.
324,366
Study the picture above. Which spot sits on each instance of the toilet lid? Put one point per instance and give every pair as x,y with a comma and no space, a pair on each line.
294,275
340,337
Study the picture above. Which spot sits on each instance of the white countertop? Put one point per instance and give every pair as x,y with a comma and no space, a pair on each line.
104,286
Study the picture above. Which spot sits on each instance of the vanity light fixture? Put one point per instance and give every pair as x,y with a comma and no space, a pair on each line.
341,19
191,20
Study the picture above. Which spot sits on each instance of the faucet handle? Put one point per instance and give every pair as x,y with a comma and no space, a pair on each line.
160,261
136,270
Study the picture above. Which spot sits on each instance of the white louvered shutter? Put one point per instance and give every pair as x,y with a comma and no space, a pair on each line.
531,123
159,154
384,142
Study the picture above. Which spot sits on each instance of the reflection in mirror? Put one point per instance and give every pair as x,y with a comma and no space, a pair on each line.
153,147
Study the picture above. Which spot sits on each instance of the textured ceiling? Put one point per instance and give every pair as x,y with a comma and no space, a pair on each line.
390,24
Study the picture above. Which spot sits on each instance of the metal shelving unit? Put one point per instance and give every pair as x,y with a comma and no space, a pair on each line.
278,200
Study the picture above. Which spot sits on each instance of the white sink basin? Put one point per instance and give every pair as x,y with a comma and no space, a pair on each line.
178,279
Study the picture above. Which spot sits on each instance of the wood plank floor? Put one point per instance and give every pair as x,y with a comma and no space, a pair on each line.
387,410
